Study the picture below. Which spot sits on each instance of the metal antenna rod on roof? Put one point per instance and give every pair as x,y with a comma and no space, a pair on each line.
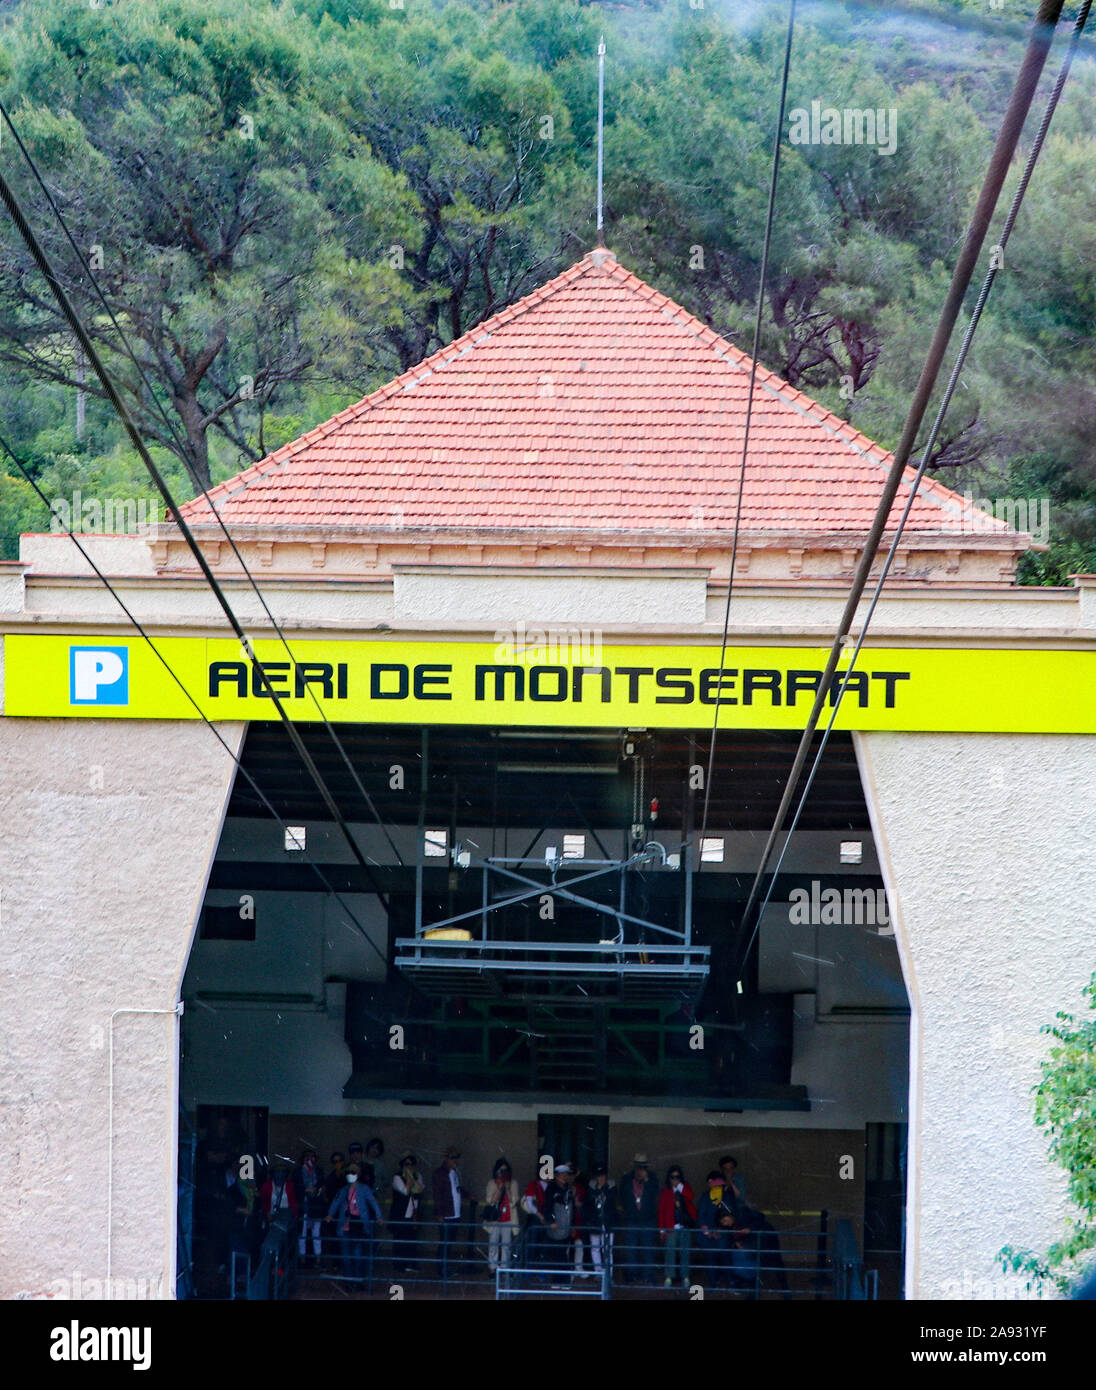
600,139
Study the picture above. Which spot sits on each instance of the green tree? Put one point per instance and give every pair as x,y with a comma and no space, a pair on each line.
1065,1106
237,224
20,510
854,228
482,141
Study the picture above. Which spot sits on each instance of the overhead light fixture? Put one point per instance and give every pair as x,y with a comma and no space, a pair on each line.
572,769
294,837
852,851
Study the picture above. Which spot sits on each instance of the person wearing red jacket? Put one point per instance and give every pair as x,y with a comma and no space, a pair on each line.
676,1223
535,1237
278,1194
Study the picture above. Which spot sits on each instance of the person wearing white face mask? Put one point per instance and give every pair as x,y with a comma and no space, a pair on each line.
354,1211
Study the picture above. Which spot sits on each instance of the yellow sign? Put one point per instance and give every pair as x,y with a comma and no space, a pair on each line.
415,682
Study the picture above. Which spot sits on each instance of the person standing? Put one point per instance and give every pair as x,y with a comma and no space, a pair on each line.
599,1216
374,1155
336,1176
241,1196
715,1218
734,1184
676,1223
309,1182
559,1216
407,1189
449,1197
578,1243
353,1213
532,1204
279,1197
638,1193
500,1217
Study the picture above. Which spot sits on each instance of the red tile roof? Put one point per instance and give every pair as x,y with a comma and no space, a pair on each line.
593,404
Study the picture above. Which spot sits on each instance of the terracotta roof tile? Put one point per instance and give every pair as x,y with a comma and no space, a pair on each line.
593,403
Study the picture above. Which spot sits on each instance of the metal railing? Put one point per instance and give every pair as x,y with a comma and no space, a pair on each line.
273,1275
803,1259
793,1262
513,1281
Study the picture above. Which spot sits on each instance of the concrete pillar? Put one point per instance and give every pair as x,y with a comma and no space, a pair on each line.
110,828
987,846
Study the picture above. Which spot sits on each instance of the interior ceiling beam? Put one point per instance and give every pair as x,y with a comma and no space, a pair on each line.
750,771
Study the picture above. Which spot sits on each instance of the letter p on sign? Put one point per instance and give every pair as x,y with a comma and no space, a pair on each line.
98,676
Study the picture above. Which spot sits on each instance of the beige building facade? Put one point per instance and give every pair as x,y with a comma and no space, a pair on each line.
121,828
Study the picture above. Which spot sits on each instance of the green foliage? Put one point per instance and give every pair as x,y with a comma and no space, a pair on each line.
1065,1107
295,199
20,510
239,224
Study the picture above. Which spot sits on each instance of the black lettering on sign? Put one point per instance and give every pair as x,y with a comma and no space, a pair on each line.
500,674
634,673
854,681
889,677
341,670
556,673
760,680
802,680
233,671
313,673
376,675
275,672
606,682
423,678
716,680
664,680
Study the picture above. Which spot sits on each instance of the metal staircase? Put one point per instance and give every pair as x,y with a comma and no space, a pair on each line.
568,1044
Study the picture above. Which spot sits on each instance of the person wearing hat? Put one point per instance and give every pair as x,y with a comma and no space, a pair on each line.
407,1189
676,1223
449,1197
559,1216
500,1216
599,1216
638,1194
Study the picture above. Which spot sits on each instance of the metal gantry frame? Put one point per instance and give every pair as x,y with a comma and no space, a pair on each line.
440,962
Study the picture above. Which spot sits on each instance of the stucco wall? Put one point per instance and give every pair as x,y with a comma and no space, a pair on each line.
988,849
110,829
